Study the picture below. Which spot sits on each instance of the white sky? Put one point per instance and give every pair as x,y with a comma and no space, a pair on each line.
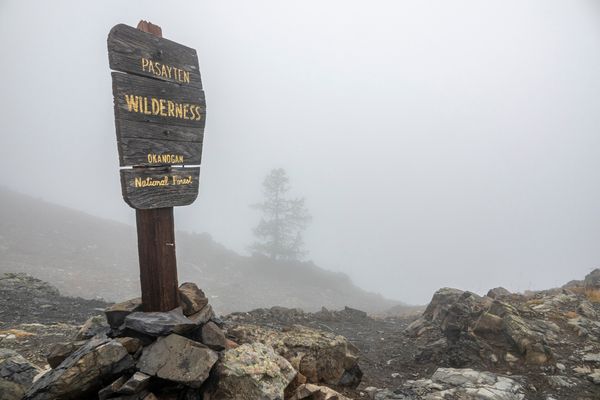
438,143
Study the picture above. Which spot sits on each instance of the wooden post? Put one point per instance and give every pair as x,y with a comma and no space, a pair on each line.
156,245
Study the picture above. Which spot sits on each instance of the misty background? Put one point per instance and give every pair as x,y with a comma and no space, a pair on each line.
437,143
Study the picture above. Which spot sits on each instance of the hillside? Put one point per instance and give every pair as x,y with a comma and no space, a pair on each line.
87,256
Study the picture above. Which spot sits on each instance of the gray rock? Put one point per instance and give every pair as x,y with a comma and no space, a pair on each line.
178,359
112,389
203,316
191,298
559,381
159,323
213,336
138,382
498,292
586,309
83,372
11,390
251,371
594,377
309,391
125,386
131,344
592,280
467,384
58,352
592,357
115,314
319,356
94,326
16,370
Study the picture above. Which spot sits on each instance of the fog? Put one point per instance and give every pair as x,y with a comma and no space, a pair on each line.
438,143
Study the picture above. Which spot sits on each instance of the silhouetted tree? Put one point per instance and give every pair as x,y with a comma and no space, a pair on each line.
284,219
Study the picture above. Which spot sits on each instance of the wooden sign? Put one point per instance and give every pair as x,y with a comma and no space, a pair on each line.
157,122
160,114
146,188
136,52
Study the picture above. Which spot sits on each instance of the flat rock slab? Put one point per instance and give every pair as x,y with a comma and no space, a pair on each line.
83,372
115,314
159,323
309,391
178,359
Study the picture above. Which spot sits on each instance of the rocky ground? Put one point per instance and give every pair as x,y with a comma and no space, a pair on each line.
539,345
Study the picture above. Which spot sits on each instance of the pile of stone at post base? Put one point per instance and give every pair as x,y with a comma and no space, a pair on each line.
181,354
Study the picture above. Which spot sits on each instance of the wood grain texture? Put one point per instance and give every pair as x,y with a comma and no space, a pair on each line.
142,187
164,132
127,46
158,264
125,85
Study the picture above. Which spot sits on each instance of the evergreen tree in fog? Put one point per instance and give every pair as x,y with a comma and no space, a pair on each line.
283,220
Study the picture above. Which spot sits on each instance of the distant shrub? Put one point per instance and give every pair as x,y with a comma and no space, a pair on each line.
593,295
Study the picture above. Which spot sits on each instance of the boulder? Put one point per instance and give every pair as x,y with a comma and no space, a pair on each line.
249,372
115,314
497,293
313,392
178,359
159,323
191,298
16,374
83,372
528,341
318,355
440,303
592,280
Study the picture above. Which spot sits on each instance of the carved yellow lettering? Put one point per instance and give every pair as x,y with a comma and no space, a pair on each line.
145,63
155,106
151,66
178,110
198,115
132,102
163,107
186,108
146,108
186,76
170,108
169,69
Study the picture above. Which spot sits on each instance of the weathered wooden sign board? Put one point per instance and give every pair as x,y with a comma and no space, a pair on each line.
159,118
160,112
